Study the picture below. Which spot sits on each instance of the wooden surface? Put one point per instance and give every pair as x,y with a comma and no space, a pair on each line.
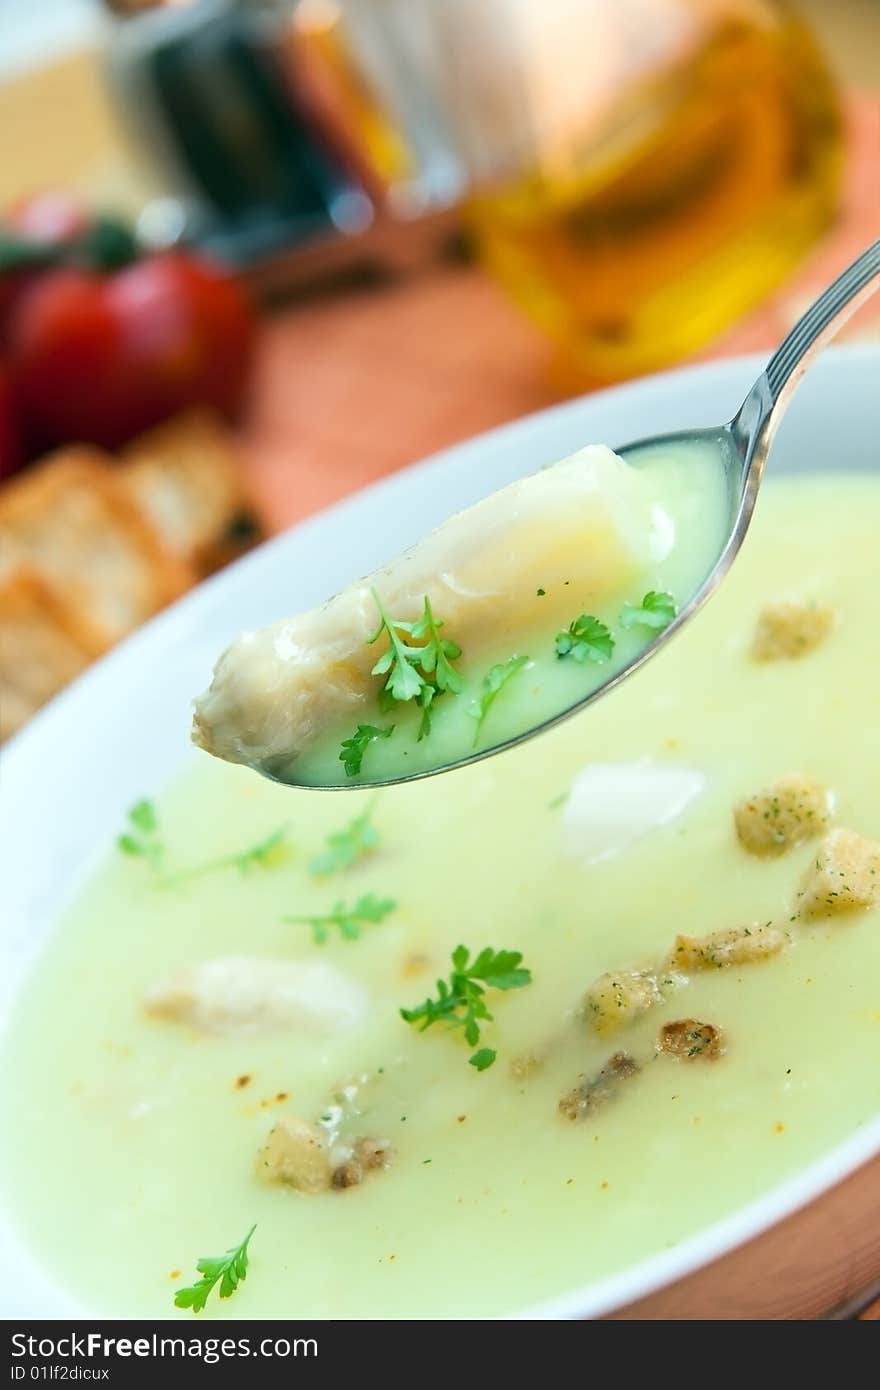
822,1262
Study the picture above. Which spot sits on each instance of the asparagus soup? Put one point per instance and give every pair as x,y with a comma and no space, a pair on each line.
456,1047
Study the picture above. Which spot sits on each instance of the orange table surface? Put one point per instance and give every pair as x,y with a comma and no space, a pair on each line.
354,386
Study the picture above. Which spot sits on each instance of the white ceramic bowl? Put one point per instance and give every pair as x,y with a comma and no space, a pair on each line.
67,779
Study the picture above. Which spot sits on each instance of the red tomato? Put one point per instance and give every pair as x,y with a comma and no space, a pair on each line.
100,358
11,456
52,218
14,285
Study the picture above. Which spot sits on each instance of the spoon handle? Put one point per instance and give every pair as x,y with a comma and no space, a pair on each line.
818,326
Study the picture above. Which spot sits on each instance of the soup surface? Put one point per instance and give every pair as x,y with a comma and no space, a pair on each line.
133,1147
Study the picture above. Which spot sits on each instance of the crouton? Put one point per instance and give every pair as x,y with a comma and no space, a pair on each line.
44,644
374,1154
734,946
794,809
72,522
689,1040
367,1156
844,875
347,1174
619,997
296,1153
790,629
591,1092
186,476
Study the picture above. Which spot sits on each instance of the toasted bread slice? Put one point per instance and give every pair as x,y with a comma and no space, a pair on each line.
186,476
72,521
44,644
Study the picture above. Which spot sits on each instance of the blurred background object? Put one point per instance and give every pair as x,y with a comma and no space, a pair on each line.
637,174
257,253
681,159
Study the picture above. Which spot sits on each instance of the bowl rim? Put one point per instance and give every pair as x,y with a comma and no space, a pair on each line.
23,764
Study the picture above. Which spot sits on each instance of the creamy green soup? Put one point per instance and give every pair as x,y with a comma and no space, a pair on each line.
132,1149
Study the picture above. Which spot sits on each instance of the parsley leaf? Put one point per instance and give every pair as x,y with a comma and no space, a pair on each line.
438,653
493,683
418,670
229,1270
349,920
345,847
259,856
265,854
587,639
657,609
142,839
400,662
427,696
483,1059
460,1000
351,754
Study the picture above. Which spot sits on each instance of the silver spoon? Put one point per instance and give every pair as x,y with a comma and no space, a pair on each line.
744,445
746,440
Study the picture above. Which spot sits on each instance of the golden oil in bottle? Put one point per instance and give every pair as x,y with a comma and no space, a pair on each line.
705,186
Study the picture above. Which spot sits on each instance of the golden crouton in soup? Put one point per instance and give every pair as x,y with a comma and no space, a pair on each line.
794,809
732,946
616,998
790,629
844,875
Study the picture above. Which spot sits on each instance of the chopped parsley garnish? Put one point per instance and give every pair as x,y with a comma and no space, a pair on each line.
351,754
367,910
427,697
142,840
419,669
539,593
265,854
587,639
229,1270
483,1059
345,847
438,653
493,683
400,662
460,1000
259,856
656,610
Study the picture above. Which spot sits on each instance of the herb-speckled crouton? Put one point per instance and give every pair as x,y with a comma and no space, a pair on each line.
619,997
791,628
689,1040
794,809
734,946
593,1091
366,1156
296,1153
844,875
